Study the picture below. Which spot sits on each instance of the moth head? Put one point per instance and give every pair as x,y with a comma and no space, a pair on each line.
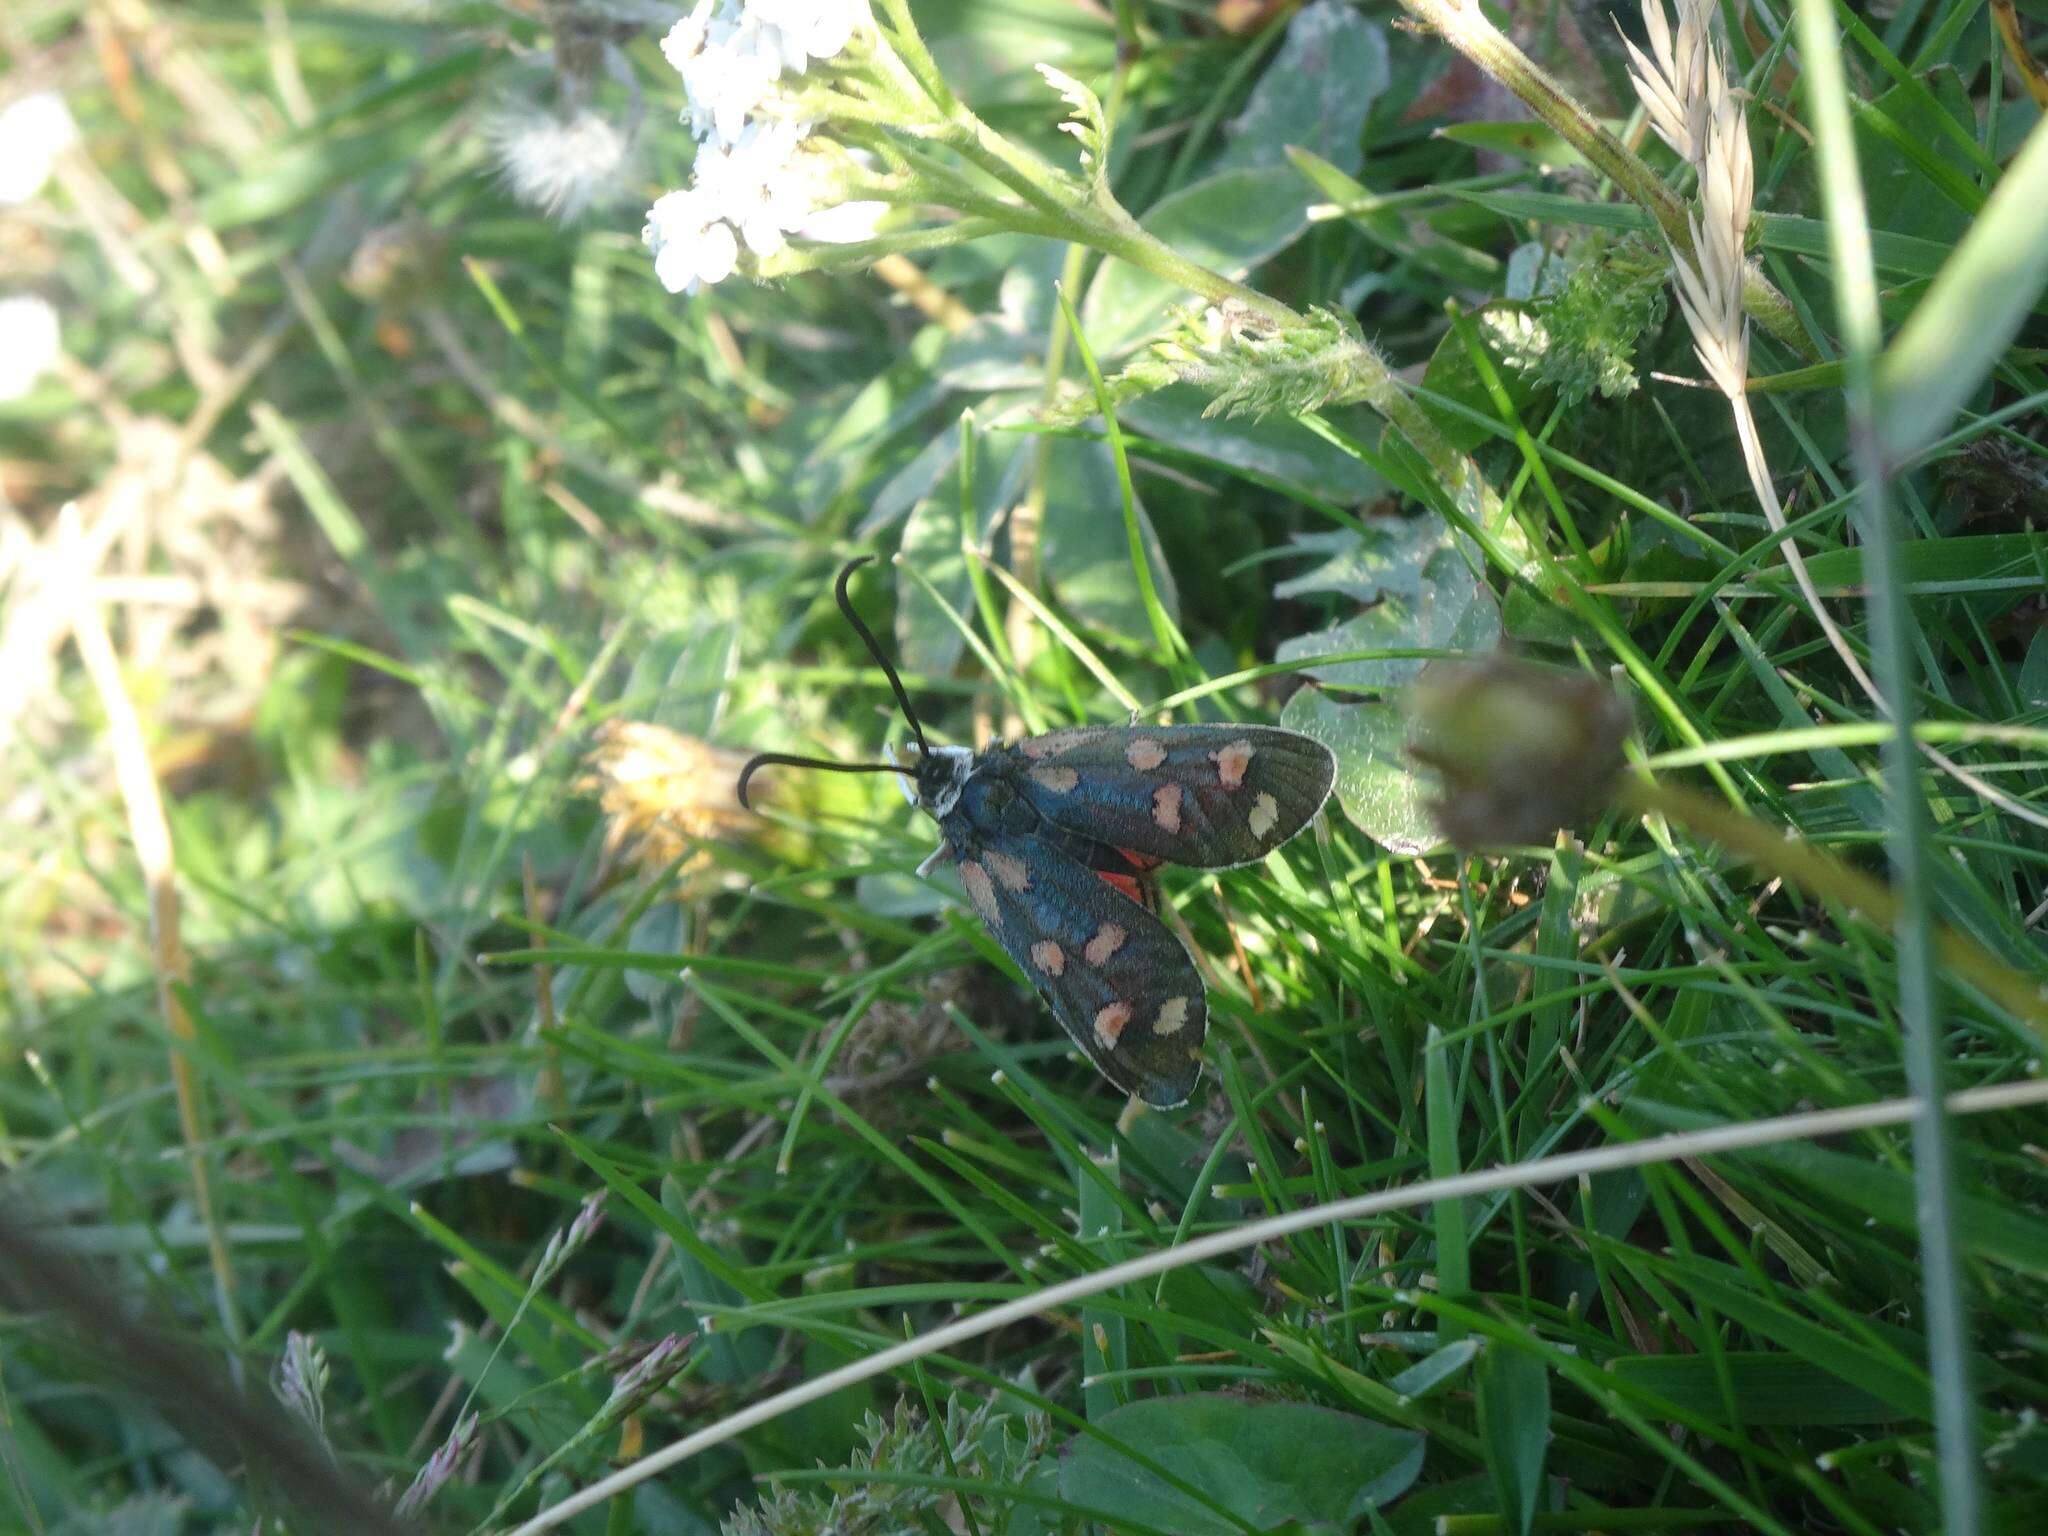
938,774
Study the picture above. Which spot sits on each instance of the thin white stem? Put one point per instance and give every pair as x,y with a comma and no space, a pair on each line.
1542,1170
1774,514
1684,72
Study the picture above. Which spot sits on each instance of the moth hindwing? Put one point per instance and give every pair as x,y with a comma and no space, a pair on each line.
1056,838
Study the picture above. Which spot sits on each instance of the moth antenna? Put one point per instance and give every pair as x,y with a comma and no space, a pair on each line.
767,759
875,650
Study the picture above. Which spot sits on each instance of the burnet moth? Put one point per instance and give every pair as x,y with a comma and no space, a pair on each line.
1056,839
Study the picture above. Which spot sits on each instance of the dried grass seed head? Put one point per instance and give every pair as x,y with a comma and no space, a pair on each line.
1675,78
664,793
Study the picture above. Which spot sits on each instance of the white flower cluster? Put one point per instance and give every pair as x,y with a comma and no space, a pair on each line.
754,184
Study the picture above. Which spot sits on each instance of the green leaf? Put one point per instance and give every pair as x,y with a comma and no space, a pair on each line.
900,494
2033,680
1435,1368
1082,550
1004,347
1424,596
2006,1234
1229,222
1905,157
1906,255
1977,563
1517,339
1523,139
926,639
1084,121
1868,1367
1514,1422
688,683
1972,310
1377,789
1267,1463
1447,1216
1385,220
1316,93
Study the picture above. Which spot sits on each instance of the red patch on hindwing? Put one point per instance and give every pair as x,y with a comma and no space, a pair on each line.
1132,885
1126,884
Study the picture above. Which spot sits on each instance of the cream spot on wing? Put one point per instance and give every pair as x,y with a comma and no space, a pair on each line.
1265,815
1173,1016
1058,780
1009,869
981,891
1053,743
1231,762
1109,938
1049,957
1144,754
1110,1022
1166,807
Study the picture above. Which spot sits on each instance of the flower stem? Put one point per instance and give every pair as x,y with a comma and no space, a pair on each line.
1892,633
1115,233
1814,871
1092,217
917,59
1029,175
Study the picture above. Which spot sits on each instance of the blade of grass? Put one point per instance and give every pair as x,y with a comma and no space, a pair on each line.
1892,660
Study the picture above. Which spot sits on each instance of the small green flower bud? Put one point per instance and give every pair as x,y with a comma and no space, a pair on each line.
1522,750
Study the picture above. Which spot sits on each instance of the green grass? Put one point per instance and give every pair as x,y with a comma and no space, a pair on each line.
520,492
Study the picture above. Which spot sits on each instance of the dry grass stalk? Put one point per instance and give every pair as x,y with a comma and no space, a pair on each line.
1684,87
151,832
926,296
2006,19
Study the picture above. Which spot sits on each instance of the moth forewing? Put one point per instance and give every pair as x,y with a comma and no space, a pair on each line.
1207,796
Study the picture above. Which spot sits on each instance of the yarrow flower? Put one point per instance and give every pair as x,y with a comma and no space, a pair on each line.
759,178
692,244
30,340
33,132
